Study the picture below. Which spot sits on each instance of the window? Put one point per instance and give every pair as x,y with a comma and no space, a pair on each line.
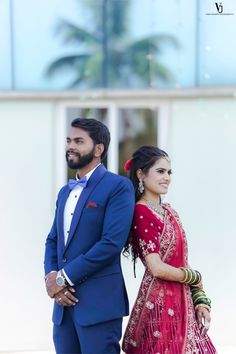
136,127
132,123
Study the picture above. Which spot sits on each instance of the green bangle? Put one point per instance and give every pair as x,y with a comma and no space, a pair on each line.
200,297
199,293
205,301
191,277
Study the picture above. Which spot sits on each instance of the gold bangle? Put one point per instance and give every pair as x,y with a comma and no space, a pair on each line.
202,305
197,277
184,270
195,280
191,274
199,297
189,278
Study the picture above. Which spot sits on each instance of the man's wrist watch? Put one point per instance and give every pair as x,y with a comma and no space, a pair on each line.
61,280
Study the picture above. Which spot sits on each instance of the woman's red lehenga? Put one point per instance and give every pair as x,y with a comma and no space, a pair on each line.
163,317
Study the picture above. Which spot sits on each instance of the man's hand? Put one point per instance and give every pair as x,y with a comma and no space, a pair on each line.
66,298
51,285
203,319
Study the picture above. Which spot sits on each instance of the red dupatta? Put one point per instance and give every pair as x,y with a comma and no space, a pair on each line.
163,317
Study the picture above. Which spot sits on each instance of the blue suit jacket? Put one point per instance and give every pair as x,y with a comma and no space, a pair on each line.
91,257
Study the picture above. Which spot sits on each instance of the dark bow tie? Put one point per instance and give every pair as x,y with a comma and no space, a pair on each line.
75,182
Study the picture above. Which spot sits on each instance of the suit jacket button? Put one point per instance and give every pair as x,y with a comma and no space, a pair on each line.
64,260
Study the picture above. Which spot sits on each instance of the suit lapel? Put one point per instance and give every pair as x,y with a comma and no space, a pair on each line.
92,182
61,208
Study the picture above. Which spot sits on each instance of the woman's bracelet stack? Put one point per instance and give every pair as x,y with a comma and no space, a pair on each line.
200,299
193,278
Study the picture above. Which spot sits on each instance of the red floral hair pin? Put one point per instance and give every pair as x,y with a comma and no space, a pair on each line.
127,165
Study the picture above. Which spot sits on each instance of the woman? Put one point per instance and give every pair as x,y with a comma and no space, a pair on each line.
171,314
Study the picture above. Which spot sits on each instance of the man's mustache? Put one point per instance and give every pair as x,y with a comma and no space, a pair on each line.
72,152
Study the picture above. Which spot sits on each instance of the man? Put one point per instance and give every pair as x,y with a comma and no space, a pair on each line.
82,256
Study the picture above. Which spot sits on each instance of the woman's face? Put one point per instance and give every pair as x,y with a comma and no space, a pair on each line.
157,179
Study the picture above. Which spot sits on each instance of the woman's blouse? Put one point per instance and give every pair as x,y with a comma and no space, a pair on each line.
146,231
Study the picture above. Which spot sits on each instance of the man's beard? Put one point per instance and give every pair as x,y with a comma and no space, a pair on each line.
82,160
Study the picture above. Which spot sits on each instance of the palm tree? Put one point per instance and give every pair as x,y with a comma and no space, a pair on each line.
106,57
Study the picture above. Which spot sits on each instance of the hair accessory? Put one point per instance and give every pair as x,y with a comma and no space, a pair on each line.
127,165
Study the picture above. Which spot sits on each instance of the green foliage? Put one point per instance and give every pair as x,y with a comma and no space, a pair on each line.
107,57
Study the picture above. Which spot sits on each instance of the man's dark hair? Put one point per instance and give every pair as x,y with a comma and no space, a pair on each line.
97,131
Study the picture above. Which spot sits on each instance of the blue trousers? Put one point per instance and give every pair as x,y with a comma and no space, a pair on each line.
101,338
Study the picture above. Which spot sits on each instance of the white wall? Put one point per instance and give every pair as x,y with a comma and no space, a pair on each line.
202,147
26,207
203,151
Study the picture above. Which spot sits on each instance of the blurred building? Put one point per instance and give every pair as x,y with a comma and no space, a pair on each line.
155,73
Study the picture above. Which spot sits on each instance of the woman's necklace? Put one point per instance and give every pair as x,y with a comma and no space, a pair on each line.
158,209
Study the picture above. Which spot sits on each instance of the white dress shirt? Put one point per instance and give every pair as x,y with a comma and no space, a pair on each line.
70,205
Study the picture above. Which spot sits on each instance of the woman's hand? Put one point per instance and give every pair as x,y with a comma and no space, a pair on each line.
198,286
203,318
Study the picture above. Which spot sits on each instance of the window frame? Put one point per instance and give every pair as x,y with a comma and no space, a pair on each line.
163,124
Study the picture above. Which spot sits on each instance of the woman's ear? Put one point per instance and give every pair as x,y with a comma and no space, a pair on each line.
139,173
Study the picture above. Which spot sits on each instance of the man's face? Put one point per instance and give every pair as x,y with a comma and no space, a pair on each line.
80,148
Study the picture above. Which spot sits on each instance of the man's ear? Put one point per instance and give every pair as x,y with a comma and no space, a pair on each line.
99,148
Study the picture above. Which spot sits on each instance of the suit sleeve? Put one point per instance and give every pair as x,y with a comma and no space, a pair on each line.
50,256
116,227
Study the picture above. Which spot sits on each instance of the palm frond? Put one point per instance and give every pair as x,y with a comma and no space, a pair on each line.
76,82
149,71
152,44
67,62
73,34
160,71
164,39
139,58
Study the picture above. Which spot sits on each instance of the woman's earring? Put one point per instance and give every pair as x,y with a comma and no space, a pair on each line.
141,186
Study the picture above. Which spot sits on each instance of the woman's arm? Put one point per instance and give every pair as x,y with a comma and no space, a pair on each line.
162,270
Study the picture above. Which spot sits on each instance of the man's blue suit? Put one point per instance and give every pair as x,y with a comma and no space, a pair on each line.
91,256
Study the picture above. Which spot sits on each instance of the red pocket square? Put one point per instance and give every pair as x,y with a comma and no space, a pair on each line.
91,205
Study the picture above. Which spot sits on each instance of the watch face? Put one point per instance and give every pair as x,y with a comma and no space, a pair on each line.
60,281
